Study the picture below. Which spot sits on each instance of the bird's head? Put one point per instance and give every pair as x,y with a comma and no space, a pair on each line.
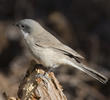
29,27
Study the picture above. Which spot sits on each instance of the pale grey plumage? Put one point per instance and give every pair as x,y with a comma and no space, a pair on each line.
49,51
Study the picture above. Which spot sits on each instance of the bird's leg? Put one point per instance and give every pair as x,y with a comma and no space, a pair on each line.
46,73
50,69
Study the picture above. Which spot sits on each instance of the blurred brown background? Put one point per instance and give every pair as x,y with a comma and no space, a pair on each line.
82,24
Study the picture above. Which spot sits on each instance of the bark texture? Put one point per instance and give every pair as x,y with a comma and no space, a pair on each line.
35,86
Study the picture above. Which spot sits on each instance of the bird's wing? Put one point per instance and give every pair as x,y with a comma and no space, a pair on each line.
71,51
52,42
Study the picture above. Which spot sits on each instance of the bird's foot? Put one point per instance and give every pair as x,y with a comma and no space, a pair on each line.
45,78
45,75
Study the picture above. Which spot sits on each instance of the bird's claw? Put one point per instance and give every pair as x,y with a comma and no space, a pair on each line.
43,76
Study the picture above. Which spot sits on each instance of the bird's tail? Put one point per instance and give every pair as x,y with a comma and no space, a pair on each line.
89,71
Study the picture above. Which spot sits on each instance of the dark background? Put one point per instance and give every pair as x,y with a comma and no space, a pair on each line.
84,25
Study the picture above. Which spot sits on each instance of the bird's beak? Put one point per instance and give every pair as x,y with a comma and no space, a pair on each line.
17,24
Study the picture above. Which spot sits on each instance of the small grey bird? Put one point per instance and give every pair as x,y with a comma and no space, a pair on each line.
50,52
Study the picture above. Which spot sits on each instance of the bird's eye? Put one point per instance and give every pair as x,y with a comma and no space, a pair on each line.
22,26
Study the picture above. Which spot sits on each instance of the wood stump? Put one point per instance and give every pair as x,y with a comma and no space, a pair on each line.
35,87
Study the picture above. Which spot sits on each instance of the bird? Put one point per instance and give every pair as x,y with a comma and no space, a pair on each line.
51,52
